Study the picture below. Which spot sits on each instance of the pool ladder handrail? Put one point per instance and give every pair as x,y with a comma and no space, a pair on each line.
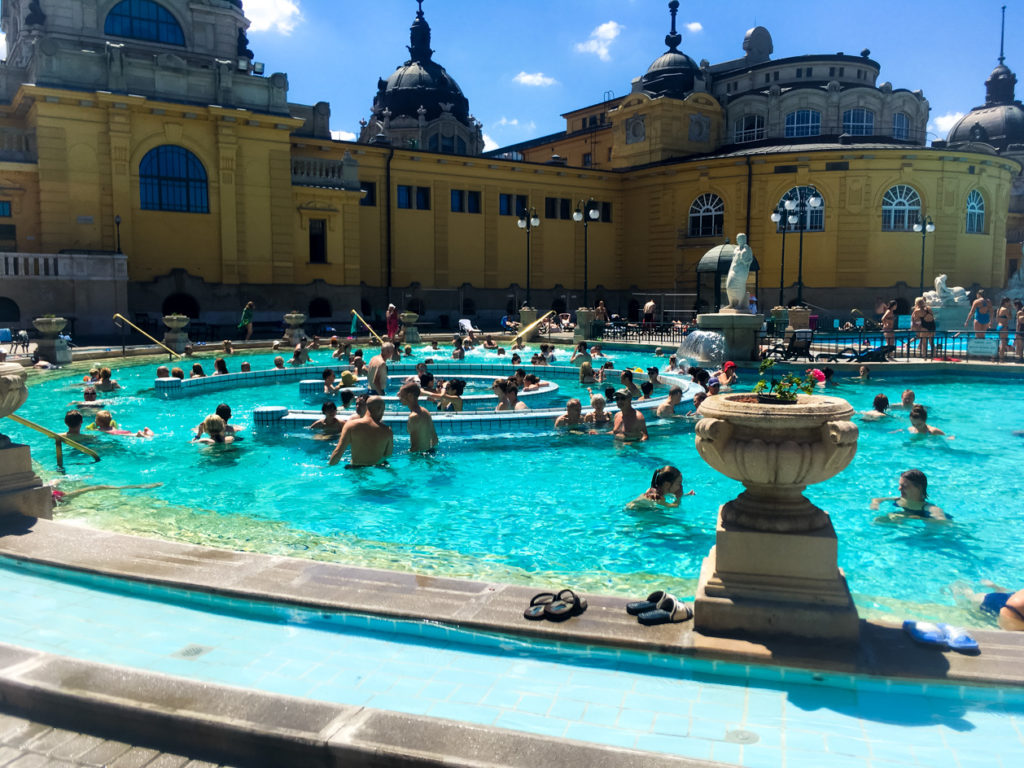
368,327
119,316
534,324
58,439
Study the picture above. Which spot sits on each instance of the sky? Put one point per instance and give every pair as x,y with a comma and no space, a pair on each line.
522,64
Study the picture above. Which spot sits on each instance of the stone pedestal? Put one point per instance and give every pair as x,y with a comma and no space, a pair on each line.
799,318
411,334
21,490
176,340
951,318
528,316
739,331
294,333
767,583
54,351
584,324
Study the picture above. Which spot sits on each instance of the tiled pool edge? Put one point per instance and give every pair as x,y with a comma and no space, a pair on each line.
254,728
885,651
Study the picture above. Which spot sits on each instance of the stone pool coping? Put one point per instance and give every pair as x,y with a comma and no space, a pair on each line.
255,728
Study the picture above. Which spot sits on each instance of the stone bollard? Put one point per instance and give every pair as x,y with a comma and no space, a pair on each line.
584,324
21,490
176,336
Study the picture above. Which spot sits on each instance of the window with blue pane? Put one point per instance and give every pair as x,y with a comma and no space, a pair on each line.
172,179
803,122
5,209
143,20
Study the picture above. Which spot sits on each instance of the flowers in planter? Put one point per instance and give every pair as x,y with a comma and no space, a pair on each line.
789,385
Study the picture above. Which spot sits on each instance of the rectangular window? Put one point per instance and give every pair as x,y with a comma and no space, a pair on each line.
505,205
767,77
550,207
369,193
810,71
5,208
565,208
522,203
9,241
831,71
775,76
318,241
606,212
842,71
588,159
458,201
404,196
799,72
473,202
423,198
749,128
838,165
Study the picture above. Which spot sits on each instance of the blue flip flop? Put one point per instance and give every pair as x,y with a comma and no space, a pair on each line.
925,632
641,606
958,639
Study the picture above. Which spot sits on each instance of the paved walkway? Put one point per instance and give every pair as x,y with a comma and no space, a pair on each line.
29,744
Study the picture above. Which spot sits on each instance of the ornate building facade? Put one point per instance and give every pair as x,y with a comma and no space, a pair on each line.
144,133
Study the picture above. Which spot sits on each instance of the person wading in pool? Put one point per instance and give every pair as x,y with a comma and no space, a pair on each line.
377,370
913,499
370,440
422,435
629,424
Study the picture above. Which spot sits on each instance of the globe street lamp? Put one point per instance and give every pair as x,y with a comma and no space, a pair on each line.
814,201
592,214
924,226
777,217
528,219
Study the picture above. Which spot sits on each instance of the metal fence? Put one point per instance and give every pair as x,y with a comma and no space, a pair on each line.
649,333
867,346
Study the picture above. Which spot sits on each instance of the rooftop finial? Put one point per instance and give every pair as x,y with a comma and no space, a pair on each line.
420,4
673,38
1002,35
419,35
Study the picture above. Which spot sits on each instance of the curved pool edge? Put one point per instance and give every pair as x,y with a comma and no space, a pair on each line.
884,651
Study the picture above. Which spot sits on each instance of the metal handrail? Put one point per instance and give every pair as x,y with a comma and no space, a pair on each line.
368,327
158,343
58,439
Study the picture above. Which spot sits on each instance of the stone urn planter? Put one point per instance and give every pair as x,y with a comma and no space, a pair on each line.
21,490
294,332
409,320
773,569
13,392
49,327
175,322
776,450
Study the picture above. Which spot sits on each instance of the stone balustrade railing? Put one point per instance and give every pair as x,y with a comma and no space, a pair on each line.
316,172
64,266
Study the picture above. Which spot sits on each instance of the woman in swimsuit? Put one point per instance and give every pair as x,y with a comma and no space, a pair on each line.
924,320
1018,336
1003,321
981,309
888,323
667,481
1009,608
912,501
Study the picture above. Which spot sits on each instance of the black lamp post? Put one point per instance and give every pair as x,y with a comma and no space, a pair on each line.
797,211
585,212
924,226
776,218
117,227
528,219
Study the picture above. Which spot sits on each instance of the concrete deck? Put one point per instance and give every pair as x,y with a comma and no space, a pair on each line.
245,727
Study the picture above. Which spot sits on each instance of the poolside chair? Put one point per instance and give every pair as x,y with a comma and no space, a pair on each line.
853,355
799,346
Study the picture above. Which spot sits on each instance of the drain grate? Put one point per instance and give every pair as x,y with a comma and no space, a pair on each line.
741,737
192,651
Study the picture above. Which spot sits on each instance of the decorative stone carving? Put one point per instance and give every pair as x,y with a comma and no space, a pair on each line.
13,392
943,296
294,332
700,129
49,327
736,281
776,451
21,490
636,131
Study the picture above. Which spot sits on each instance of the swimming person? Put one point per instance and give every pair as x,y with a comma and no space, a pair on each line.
73,421
330,388
377,371
573,415
597,417
580,355
422,435
279,363
626,380
197,372
106,384
1008,608
913,499
215,427
329,424
667,482
629,424
878,410
371,440
224,411
89,399
220,367
919,422
667,410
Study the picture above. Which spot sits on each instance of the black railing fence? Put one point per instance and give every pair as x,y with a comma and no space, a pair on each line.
902,345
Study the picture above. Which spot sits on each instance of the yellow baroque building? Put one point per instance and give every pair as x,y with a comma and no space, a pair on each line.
149,165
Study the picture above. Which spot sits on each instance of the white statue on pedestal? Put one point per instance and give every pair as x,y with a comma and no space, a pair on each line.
944,296
736,281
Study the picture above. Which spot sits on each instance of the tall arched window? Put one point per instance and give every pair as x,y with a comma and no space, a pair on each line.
749,128
975,213
901,126
707,216
901,208
813,217
803,122
172,179
143,20
859,122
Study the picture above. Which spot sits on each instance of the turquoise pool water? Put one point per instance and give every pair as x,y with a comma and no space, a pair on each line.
749,716
550,508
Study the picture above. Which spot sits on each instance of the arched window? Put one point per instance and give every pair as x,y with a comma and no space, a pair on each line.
9,311
172,179
813,217
319,307
901,208
143,20
707,216
901,126
180,304
803,122
975,213
749,128
859,122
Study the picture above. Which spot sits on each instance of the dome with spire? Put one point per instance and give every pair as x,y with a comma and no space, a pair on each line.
420,83
673,73
1000,122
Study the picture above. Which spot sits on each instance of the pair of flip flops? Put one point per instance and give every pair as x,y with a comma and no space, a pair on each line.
660,608
555,606
943,635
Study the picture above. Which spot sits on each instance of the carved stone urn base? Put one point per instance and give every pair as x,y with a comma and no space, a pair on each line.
738,329
54,351
176,340
761,583
21,490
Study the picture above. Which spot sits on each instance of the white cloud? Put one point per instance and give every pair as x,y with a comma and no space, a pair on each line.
343,136
537,78
943,123
505,121
600,39
695,26
275,15
489,143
